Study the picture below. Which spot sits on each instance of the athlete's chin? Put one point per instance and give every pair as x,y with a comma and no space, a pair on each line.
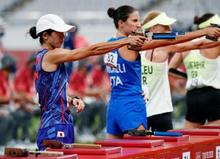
59,45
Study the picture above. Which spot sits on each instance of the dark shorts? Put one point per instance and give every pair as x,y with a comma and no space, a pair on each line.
160,122
60,132
203,104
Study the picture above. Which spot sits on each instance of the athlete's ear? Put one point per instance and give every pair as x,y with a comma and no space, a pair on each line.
120,23
45,35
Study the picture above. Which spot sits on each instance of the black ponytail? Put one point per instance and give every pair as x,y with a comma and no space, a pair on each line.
33,32
111,12
203,18
196,20
121,13
34,35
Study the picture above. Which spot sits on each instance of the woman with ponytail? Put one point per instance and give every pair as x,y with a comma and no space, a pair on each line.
126,110
203,78
51,76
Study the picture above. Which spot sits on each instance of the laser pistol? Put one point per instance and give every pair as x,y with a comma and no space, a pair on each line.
154,36
135,132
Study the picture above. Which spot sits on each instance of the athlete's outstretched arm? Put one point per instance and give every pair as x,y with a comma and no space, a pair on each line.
192,45
210,31
209,44
60,55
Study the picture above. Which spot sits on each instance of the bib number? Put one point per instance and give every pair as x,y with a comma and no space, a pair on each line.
111,59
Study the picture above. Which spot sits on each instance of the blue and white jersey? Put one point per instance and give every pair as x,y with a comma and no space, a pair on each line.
125,76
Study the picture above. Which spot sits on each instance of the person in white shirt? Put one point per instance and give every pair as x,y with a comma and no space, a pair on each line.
155,81
203,79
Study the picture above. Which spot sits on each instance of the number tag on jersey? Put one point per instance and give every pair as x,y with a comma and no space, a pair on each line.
111,59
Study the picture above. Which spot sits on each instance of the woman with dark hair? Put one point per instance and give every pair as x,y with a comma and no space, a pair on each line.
51,76
203,79
126,109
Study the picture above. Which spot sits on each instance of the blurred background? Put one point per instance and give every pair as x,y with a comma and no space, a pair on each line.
20,118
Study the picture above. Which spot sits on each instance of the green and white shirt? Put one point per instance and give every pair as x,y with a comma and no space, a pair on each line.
201,71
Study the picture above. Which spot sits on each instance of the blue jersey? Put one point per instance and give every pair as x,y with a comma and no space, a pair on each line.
51,88
126,109
125,76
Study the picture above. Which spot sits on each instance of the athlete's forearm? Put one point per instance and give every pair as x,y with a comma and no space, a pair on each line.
102,48
63,55
196,34
183,47
209,44
191,45
210,31
190,36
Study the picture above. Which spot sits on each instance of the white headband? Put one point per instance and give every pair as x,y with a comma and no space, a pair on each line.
161,19
213,20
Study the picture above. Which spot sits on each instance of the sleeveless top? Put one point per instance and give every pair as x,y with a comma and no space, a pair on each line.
201,71
155,84
51,88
